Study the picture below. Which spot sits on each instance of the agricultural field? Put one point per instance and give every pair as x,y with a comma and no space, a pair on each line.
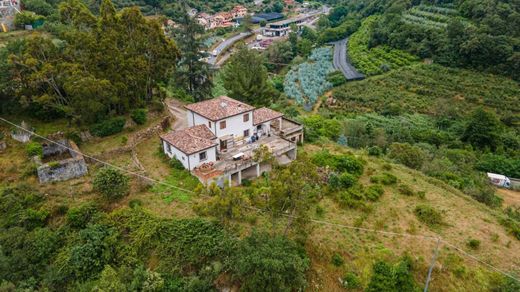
430,89
377,60
307,81
429,16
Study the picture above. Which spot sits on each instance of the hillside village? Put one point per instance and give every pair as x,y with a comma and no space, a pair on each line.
234,145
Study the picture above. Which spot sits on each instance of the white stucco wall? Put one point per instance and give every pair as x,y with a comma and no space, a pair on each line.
211,156
235,125
191,161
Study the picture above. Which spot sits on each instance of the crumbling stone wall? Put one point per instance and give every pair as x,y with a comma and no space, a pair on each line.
63,169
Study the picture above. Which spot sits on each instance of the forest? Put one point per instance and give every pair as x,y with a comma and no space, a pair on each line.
392,169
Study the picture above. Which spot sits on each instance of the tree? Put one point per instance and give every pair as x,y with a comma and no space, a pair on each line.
225,203
109,281
483,129
111,183
265,263
245,78
193,73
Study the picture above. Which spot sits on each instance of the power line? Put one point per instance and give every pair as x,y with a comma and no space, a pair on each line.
95,159
285,215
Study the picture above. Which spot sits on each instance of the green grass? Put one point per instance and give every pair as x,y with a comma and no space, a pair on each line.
377,60
177,178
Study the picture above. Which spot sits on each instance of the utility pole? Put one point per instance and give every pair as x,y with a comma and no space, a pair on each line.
434,258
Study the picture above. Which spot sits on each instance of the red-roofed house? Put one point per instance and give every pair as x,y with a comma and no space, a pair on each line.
222,135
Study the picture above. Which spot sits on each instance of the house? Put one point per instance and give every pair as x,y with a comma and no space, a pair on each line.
222,136
283,27
239,11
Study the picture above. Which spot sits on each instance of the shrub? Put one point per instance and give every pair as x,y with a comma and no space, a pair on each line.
342,181
428,215
351,281
386,277
79,217
74,136
336,78
337,260
111,183
374,192
404,153
375,151
340,163
176,164
385,178
405,190
34,149
139,116
473,243
135,203
266,263
108,127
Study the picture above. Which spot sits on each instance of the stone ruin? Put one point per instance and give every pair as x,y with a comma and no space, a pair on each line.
59,163
22,135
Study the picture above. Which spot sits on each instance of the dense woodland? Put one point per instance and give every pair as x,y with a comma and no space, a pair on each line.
438,109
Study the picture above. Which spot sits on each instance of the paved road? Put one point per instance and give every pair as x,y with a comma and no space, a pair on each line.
230,41
341,63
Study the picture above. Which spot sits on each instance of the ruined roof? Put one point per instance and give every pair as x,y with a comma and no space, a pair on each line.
264,114
191,140
219,108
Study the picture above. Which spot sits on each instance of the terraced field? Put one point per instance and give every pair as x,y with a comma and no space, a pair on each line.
430,16
373,61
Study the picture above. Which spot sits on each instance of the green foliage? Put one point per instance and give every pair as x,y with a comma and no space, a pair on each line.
351,281
34,149
428,215
139,116
316,126
336,78
386,277
473,243
385,178
374,60
405,190
245,78
337,260
374,192
225,204
497,163
342,181
341,163
40,7
111,183
108,127
346,28
375,151
404,153
16,201
26,18
79,217
483,130
176,164
109,281
265,263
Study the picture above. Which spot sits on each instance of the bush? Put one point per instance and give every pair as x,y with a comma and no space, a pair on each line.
176,164
108,127
139,116
266,263
428,215
404,153
34,149
79,217
374,192
340,163
351,281
375,151
135,203
111,183
336,78
385,178
337,260
473,243
342,181
386,277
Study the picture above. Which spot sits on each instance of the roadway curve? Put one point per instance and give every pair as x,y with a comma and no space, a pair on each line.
341,63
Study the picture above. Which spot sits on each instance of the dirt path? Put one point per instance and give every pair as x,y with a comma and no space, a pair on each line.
177,110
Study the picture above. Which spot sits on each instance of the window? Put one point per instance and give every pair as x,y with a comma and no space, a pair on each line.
246,133
168,148
222,125
209,124
246,117
202,156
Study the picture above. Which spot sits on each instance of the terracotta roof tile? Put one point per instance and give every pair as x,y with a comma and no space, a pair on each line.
191,140
219,108
264,114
